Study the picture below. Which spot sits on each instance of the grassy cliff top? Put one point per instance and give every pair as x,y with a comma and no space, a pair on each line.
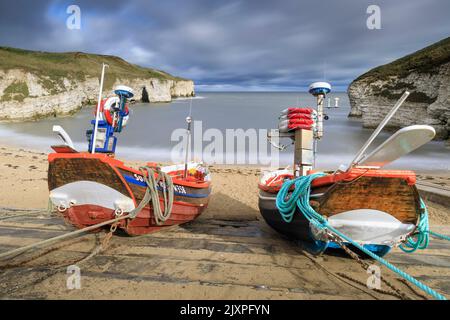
426,60
75,65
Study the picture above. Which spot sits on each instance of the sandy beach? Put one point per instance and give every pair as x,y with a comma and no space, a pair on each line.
24,177
228,253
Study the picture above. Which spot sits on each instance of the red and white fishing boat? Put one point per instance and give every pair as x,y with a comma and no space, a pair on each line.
376,208
92,187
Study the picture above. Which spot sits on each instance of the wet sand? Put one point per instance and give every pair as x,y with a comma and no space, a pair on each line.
228,253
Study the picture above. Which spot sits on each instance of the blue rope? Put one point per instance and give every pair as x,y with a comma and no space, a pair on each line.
299,197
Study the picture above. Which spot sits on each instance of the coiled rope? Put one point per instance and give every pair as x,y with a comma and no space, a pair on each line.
421,237
287,204
164,181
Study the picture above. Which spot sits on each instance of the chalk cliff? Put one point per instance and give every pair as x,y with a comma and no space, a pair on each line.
425,73
39,84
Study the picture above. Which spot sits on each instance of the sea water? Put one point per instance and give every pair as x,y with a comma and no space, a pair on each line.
149,130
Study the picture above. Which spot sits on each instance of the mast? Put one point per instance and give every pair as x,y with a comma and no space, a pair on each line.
188,142
97,113
379,128
188,145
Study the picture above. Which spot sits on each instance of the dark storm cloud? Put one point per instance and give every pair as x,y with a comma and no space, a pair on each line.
234,44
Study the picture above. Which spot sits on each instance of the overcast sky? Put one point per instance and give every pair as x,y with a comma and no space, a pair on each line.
234,44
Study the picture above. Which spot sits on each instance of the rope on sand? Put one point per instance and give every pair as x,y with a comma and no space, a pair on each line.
287,204
151,195
61,237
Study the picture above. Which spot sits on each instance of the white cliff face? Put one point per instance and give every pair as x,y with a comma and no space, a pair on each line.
182,88
428,103
25,96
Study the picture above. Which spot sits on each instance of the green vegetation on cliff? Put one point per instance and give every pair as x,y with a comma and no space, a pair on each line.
52,68
15,91
426,60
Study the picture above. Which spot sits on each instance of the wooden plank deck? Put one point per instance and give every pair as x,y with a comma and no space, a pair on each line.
205,259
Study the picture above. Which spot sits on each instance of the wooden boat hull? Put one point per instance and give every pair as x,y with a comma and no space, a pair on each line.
297,229
89,188
374,209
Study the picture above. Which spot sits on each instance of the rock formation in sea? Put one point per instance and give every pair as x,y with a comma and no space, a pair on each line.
425,73
36,84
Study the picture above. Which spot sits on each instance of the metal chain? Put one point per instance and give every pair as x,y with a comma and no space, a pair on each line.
104,243
386,292
406,283
107,238
326,270
365,266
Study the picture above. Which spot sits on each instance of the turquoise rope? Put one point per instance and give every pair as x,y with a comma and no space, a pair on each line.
300,194
438,235
390,266
421,239
300,198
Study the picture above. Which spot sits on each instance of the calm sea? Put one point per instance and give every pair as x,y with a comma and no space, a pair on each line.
148,133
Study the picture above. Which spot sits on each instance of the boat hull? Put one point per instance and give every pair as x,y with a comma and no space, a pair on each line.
297,229
376,211
87,215
88,189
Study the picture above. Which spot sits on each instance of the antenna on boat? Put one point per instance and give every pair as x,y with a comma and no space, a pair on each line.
319,90
188,140
377,131
305,127
97,113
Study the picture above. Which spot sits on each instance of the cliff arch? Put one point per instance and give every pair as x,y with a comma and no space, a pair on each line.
144,97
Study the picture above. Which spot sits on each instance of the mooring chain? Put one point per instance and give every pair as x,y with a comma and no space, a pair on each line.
313,258
386,292
108,236
397,292
406,283
339,274
103,244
